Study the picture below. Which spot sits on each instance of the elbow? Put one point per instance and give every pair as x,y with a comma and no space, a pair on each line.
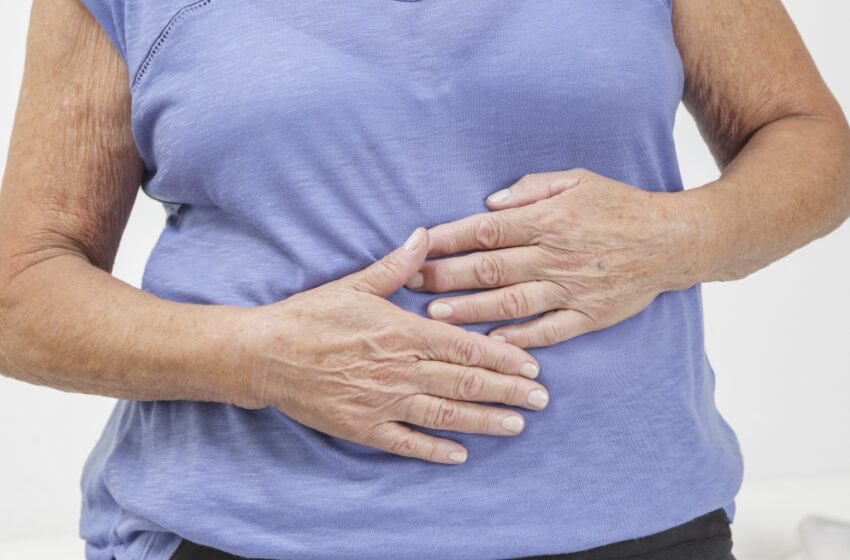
7,337
7,297
841,143
13,310
835,169
7,306
844,174
6,300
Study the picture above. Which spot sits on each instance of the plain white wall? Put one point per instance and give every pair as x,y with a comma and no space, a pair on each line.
779,340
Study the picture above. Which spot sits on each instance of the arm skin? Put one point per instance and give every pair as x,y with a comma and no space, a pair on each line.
60,226
339,358
589,252
777,133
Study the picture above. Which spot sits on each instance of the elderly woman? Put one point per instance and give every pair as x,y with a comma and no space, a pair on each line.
397,232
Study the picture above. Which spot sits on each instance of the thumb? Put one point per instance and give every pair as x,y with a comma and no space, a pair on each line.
534,187
394,270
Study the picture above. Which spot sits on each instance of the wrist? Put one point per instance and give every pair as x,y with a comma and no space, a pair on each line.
250,331
692,222
226,349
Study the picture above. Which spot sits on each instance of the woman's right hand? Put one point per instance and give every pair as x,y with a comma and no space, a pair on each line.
342,359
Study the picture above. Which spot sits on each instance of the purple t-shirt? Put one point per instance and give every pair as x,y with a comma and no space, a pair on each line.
294,142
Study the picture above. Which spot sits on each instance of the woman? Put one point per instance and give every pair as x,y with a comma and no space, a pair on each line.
300,382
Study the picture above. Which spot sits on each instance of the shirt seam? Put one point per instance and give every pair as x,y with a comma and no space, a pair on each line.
163,37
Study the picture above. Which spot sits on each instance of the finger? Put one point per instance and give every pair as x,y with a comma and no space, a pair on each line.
534,187
484,269
392,271
499,304
444,414
399,439
471,384
454,345
512,228
547,330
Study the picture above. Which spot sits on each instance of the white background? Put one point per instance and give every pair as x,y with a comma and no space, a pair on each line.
778,340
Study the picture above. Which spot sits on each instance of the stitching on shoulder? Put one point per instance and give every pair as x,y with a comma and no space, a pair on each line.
163,38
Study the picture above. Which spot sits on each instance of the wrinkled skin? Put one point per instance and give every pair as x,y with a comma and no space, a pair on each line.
359,365
583,250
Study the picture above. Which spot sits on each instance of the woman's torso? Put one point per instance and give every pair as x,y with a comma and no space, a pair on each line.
296,142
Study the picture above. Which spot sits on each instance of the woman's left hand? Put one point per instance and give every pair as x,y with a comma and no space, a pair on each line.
585,251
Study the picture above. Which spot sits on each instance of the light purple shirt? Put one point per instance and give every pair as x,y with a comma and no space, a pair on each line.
294,142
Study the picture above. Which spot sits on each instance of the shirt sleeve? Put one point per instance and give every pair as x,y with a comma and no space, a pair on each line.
110,15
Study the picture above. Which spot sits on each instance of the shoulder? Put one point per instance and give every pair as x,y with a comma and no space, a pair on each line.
134,26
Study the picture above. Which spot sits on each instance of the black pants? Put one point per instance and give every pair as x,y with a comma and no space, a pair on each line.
705,538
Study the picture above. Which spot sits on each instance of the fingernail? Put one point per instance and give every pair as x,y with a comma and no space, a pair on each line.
499,196
538,399
457,456
513,424
498,337
413,241
416,281
529,369
441,310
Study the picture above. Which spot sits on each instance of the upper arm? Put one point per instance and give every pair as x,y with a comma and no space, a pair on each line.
745,67
73,169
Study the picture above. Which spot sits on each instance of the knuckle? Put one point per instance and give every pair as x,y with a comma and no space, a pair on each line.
370,435
551,265
441,413
498,357
396,339
483,421
587,323
566,293
404,445
441,280
550,294
356,425
405,408
363,282
500,361
567,222
490,270
391,265
367,399
467,350
553,332
487,233
388,337
515,303
510,394
551,225
384,374
470,385
374,433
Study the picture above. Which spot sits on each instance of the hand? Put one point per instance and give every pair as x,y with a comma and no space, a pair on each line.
343,360
585,251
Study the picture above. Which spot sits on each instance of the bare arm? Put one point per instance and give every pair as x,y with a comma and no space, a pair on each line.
589,252
72,176
339,358
776,131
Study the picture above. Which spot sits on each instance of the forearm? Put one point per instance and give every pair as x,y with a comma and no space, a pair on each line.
788,186
72,176
72,326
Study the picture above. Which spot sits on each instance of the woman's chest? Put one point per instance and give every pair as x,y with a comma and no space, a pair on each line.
231,64
387,91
